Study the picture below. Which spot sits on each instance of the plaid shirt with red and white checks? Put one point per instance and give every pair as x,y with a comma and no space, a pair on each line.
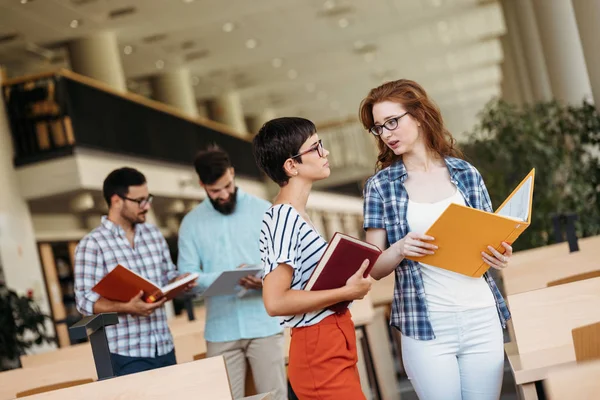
97,254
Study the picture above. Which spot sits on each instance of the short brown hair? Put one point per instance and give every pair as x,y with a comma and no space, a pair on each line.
414,99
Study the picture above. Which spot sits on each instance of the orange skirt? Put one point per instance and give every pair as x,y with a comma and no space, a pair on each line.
322,360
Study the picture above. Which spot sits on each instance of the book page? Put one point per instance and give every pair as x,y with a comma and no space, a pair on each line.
183,281
518,206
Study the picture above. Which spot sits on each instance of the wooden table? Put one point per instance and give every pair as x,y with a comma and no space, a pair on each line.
543,320
198,379
534,269
574,382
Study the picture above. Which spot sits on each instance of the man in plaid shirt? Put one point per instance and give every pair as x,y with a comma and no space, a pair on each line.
141,340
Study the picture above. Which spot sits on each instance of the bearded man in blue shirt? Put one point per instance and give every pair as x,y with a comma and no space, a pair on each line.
222,233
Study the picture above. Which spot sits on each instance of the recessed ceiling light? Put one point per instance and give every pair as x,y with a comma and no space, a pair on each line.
359,44
188,1
228,27
343,22
160,64
310,87
24,1
128,49
329,5
277,62
292,74
75,23
195,81
251,43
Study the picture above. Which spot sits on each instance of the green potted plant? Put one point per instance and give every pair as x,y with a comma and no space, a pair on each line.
22,325
562,142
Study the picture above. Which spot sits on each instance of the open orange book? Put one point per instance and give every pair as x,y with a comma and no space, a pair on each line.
462,233
122,284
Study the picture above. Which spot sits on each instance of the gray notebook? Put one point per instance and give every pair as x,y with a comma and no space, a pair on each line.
227,282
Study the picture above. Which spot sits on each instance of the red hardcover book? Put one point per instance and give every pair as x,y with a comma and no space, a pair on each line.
122,284
342,258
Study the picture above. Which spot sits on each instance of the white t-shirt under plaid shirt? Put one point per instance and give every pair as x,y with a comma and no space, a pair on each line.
286,238
97,254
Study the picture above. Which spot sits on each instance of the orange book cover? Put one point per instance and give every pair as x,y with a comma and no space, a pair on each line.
462,233
342,258
122,284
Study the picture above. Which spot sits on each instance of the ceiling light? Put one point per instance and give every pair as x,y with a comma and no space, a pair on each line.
343,22
228,27
277,62
310,87
329,5
128,49
188,1
160,64
359,44
24,1
251,43
75,23
195,81
369,57
292,74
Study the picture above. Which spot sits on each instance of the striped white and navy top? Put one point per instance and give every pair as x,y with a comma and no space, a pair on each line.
286,238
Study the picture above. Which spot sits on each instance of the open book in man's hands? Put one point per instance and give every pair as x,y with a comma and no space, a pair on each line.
122,284
462,233
342,258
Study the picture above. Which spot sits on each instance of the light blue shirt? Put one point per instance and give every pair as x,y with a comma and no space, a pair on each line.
210,243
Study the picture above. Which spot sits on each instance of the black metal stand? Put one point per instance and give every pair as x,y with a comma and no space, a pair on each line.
92,327
566,221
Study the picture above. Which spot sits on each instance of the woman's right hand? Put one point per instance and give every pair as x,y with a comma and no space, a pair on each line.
357,285
415,245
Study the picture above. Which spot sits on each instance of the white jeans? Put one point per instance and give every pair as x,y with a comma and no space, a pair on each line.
464,362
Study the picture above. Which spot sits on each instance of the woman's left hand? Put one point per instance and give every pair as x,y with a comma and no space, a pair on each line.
497,260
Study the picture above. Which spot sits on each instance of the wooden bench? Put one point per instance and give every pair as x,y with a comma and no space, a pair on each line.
543,321
536,268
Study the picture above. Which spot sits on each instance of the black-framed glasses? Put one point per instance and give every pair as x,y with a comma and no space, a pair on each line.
318,147
390,125
141,202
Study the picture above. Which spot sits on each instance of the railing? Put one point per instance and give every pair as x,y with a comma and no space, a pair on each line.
54,113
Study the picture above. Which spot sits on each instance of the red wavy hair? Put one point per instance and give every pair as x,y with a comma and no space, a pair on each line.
414,99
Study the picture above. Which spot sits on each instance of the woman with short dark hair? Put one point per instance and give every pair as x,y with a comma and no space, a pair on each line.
322,360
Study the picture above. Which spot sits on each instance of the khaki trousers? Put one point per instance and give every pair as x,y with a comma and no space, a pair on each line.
266,358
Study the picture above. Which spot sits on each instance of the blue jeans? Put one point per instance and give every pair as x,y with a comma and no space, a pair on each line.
123,365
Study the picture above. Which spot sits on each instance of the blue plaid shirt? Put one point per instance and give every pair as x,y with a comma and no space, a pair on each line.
386,202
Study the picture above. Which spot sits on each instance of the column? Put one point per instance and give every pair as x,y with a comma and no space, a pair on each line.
513,36
511,92
587,13
227,109
532,50
562,50
19,259
333,224
255,122
98,57
351,225
175,88
316,217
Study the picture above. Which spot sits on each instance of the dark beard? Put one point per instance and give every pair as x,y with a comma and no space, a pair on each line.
226,208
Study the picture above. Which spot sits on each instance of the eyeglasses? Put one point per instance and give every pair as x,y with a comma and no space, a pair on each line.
318,147
141,202
390,125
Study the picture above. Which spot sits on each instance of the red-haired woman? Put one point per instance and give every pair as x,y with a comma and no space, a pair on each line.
451,324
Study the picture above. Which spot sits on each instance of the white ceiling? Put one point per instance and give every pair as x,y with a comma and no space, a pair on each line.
450,46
